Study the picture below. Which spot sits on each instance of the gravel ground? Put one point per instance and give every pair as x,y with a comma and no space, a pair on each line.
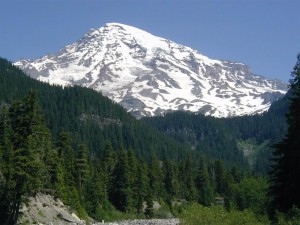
144,222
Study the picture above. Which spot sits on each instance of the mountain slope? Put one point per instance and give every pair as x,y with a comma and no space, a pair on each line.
149,75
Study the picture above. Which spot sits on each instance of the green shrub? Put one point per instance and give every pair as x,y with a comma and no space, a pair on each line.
195,214
41,214
109,213
290,218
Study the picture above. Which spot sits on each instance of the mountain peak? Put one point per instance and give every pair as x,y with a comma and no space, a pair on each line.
150,75
124,27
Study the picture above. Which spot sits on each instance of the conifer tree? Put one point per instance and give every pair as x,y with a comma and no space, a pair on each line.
149,200
82,165
221,184
142,186
170,179
29,142
188,181
6,165
108,158
96,196
122,195
156,177
133,173
107,168
203,183
285,174
54,171
66,154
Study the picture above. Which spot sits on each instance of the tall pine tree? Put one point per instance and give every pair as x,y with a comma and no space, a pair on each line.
122,195
26,139
82,166
142,187
203,184
156,177
285,174
6,165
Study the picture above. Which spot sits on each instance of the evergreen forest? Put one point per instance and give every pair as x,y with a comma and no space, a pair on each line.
101,161
232,140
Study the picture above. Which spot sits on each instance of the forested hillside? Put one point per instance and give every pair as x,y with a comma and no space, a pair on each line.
79,146
98,159
115,181
88,116
228,138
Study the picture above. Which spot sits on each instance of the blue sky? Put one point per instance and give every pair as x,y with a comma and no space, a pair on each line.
264,34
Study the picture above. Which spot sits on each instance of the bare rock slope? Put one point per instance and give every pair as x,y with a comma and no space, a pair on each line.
45,209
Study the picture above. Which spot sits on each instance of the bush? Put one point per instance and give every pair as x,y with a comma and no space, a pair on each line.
195,214
109,213
290,218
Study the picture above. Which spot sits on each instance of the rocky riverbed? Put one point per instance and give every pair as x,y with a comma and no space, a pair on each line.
144,222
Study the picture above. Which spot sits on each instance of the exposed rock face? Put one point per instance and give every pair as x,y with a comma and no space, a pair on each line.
150,76
45,209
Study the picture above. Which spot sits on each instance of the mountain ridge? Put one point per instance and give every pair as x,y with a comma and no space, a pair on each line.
150,76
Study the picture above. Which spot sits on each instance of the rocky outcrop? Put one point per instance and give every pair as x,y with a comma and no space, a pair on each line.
45,209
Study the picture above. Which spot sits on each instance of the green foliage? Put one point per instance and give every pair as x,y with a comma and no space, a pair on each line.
73,199
292,217
142,189
205,195
66,154
221,181
122,193
111,214
187,177
195,214
26,141
81,163
250,193
149,211
171,180
156,177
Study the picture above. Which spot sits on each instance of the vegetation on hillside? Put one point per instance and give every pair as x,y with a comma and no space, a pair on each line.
105,164
98,185
88,116
229,139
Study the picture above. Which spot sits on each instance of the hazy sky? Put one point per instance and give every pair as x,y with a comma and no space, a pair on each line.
264,34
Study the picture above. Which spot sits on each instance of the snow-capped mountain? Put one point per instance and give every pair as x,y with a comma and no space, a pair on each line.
150,75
